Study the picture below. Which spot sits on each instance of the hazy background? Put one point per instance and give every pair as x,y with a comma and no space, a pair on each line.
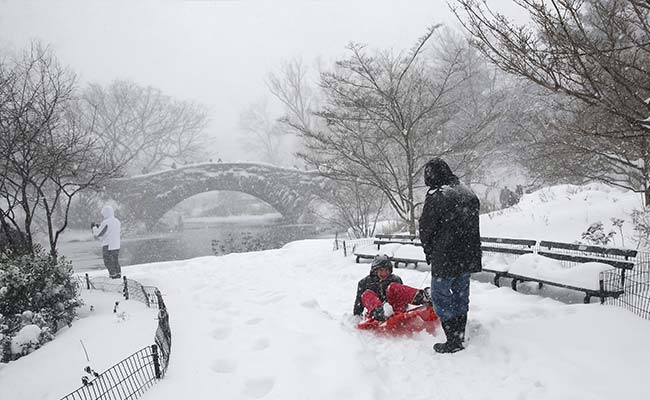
216,52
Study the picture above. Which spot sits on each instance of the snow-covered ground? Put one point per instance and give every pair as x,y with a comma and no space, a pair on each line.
277,325
561,213
99,339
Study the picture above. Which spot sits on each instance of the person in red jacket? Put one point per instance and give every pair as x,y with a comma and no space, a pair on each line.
382,293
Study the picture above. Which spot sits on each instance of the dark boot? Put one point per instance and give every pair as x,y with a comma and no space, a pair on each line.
455,332
423,298
378,314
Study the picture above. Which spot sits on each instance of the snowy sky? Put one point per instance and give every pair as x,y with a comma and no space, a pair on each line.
217,52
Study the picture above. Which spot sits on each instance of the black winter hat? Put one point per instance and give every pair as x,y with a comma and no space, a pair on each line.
437,173
381,261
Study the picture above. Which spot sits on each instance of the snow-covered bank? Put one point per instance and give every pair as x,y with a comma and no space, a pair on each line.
563,212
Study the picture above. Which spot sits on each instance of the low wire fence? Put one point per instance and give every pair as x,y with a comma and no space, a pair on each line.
349,245
636,296
131,377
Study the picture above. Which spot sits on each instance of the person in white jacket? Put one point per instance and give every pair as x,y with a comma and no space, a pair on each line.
109,233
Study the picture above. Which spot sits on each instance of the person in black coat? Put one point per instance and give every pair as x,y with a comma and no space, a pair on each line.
450,236
382,292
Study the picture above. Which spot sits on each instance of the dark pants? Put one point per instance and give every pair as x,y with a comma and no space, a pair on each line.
112,262
450,296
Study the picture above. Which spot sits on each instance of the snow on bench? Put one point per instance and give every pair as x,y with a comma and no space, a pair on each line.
588,277
410,254
499,253
534,266
496,262
373,250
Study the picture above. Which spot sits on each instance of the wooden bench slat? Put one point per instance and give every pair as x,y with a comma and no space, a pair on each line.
404,236
591,292
622,264
609,251
507,250
522,242
380,242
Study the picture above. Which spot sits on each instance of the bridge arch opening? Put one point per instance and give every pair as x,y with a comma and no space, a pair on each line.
219,205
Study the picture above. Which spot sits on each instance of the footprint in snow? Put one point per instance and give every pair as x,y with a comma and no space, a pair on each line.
258,387
221,332
223,365
261,344
254,321
311,303
272,298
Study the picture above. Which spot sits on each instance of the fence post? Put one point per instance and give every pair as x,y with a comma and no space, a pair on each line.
336,240
146,296
345,250
156,361
87,281
125,291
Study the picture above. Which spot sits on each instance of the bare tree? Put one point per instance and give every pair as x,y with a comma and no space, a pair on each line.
384,115
596,55
357,208
49,153
290,86
265,135
144,128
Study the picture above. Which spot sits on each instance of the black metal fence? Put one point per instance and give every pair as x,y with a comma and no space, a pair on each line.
128,379
636,296
131,377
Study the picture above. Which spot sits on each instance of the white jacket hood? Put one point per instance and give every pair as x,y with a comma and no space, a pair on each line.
109,230
107,212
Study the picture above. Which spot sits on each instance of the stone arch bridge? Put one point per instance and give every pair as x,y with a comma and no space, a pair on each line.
148,197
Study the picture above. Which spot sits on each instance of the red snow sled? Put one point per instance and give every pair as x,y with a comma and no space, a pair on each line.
410,321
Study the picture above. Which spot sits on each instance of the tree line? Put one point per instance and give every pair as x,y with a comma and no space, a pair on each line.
565,96
60,139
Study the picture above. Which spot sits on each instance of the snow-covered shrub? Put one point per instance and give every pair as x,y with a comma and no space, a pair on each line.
595,234
35,292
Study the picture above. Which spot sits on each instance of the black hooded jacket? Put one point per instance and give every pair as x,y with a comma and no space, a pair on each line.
372,282
449,224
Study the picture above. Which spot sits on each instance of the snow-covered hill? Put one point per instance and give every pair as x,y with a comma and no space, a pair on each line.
563,212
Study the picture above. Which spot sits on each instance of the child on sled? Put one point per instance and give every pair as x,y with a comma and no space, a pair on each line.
382,293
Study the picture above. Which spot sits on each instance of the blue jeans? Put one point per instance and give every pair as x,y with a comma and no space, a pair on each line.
450,296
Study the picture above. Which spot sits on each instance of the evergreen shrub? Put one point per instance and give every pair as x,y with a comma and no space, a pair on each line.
37,296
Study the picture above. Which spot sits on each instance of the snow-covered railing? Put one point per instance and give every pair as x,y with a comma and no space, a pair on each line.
131,377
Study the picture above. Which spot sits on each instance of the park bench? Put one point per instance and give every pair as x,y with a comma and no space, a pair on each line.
376,249
503,246
397,236
597,271
400,248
